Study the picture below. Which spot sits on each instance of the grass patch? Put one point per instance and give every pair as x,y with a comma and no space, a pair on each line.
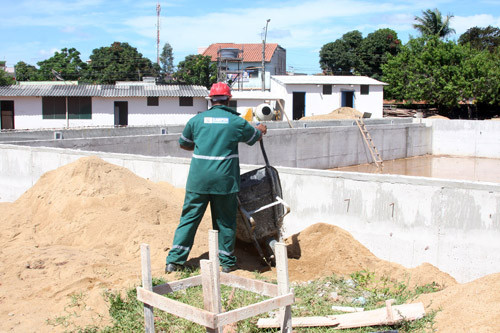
313,298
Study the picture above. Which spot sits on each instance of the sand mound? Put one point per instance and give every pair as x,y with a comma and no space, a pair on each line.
340,113
324,249
469,307
437,116
78,230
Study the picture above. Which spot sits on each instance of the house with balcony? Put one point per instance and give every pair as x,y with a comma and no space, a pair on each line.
241,64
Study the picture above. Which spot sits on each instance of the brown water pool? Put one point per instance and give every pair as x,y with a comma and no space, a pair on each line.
437,166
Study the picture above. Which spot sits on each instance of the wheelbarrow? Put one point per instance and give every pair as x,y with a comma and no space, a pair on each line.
261,209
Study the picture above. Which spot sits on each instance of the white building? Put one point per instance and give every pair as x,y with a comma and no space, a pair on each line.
242,63
67,104
316,95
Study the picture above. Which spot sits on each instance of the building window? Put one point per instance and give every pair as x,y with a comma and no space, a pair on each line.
365,89
55,107
153,101
327,89
185,101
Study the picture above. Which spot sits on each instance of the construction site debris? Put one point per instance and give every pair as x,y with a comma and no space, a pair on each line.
388,315
77,231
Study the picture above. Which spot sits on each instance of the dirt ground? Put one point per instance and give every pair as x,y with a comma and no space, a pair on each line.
77,232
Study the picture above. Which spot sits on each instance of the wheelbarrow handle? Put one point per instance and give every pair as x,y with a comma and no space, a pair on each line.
264,152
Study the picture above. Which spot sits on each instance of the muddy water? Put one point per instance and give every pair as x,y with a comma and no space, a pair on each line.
447,167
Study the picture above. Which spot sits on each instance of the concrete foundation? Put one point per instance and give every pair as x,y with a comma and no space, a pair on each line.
454,225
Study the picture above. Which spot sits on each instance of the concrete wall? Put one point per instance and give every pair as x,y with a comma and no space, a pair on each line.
480,138
318,148
28,112
454,225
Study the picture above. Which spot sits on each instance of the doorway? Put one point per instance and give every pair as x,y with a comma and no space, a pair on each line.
7,114
121,113
299,105
347,99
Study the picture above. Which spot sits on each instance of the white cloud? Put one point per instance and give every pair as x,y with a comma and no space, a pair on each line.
462,23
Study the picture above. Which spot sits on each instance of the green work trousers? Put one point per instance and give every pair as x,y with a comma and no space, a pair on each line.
223,208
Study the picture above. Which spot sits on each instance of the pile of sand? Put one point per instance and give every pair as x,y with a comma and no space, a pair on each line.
340,113
78,231
437,116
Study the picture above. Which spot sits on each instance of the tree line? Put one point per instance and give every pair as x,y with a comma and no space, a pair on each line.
443,73
118,62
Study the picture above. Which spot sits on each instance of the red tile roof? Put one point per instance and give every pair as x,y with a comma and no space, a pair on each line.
251,52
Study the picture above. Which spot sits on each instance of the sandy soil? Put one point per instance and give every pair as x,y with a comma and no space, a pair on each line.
340,113
77,233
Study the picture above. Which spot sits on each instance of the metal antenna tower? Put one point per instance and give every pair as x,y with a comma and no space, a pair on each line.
158,9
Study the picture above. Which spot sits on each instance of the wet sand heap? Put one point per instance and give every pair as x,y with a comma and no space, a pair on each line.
78,230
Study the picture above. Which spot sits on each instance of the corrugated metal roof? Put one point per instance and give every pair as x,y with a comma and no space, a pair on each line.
105,90
326,79
251,52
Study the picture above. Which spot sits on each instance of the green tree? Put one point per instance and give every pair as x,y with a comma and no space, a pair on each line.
118,62
374,51
482,73
481,38
197,70
67,63
341,56
25,72
432,24
167,60
441,73
5,78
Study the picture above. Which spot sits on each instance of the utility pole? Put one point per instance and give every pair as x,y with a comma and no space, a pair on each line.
158,9
264,57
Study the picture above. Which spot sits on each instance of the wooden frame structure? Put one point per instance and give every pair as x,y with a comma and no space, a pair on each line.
210,279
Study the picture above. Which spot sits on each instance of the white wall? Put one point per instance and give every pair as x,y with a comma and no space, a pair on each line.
479,138
318,104
28,112
454,225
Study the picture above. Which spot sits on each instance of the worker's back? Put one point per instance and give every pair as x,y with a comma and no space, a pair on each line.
215,164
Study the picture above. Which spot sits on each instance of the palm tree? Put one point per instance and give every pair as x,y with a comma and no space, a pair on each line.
431,24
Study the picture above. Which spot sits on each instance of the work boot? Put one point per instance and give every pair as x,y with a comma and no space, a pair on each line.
169,268
228,269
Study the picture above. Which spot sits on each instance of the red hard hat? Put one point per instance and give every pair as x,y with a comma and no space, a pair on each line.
220,89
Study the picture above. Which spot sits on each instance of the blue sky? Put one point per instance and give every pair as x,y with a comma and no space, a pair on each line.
32,30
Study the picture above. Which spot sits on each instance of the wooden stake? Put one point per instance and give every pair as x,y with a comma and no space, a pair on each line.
207,282
213,254
285,314
147,283
390,313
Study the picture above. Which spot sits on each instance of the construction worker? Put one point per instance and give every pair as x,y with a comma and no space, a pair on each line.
214,176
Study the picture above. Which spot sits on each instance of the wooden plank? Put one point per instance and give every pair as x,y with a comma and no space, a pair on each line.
207,282
213,247
255,286
147,283
191,313
283,112
379,316
347,308
285,314
298,322
357,319
170,287
232,316
389,311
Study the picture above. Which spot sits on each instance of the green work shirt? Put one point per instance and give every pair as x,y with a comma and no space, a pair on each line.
215,134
